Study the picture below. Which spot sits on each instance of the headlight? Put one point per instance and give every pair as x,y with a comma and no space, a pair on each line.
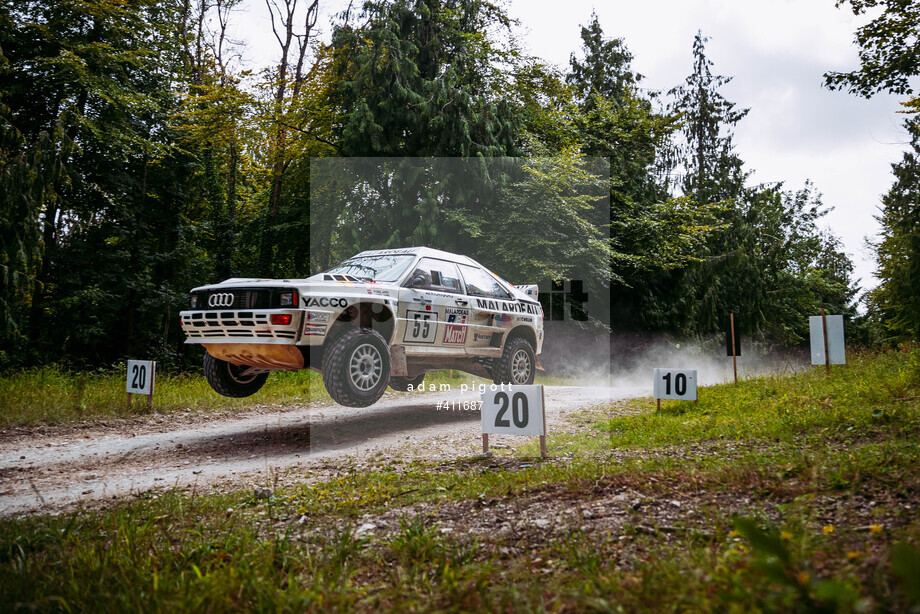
288,299
193,303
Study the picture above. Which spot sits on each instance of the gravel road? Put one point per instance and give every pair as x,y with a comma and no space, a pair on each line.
53,469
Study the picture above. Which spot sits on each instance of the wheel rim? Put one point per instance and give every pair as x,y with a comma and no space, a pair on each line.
235,374
520,367
365,366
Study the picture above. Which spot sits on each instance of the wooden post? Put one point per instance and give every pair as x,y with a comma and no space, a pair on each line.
827,355
129,400
485,443
731,324
153,383
659,404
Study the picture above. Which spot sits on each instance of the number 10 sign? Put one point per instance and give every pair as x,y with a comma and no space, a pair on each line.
675,384
513,410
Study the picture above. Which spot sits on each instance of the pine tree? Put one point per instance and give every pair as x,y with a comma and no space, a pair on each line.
605,71
898,248
712,170
421,78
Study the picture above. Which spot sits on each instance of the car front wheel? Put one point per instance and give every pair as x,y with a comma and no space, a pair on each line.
517,365
231,380
356,367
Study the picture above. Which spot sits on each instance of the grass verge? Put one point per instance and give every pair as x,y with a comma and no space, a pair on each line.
783,494
53,395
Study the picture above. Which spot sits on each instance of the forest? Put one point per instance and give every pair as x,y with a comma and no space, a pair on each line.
139,159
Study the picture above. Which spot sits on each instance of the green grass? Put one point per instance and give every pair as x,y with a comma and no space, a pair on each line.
804,492
53,395
873,394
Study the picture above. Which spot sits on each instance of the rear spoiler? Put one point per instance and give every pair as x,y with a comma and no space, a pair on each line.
530,290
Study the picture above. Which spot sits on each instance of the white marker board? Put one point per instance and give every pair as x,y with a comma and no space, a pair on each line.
513,410
140,376
677,384
835,343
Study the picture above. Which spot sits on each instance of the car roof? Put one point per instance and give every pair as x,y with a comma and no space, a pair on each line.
425,252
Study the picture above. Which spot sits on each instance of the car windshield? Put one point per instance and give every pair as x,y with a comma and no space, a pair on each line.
376,268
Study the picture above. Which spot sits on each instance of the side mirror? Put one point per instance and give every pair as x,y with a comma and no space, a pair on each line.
418,280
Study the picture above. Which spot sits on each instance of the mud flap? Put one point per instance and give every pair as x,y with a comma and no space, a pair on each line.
398,361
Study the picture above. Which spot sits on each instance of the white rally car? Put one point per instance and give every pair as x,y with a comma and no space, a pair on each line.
381,318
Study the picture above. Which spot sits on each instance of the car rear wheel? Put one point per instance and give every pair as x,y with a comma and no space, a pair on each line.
517,365
356,367
231,380
402,383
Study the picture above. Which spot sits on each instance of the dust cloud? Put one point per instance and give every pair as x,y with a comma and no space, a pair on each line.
626,361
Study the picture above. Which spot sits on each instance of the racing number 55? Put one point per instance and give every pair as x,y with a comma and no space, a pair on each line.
420,326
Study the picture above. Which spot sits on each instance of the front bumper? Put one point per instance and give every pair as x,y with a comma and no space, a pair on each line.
240,326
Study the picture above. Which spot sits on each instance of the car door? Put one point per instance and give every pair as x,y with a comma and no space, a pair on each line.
433,309
486,298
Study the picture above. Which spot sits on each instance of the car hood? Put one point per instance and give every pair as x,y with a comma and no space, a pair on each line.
311,285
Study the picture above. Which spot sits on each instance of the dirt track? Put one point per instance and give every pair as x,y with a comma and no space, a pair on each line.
54,469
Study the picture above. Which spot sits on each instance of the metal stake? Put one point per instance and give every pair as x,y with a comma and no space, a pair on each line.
543,436
731,324
827,355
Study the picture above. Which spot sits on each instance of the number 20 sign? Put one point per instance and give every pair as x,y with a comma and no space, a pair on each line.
140,376
513,410
675,384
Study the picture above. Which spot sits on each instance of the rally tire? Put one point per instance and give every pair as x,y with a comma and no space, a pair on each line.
402,383
518,364
356,367
227,379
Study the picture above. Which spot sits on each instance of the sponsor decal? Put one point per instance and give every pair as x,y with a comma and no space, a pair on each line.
454,334
440,294
507,306
526,319
313,316
482,336
383,252
529,290
419,299
314,329
502,320
455,315
322,301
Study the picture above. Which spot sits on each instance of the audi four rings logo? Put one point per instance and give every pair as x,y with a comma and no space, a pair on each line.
221,299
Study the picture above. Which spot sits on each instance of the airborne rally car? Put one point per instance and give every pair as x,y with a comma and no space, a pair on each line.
381,318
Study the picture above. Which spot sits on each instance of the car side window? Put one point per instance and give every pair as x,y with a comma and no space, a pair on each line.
480,283
437,275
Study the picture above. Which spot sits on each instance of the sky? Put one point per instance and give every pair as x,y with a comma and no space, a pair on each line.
776,52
